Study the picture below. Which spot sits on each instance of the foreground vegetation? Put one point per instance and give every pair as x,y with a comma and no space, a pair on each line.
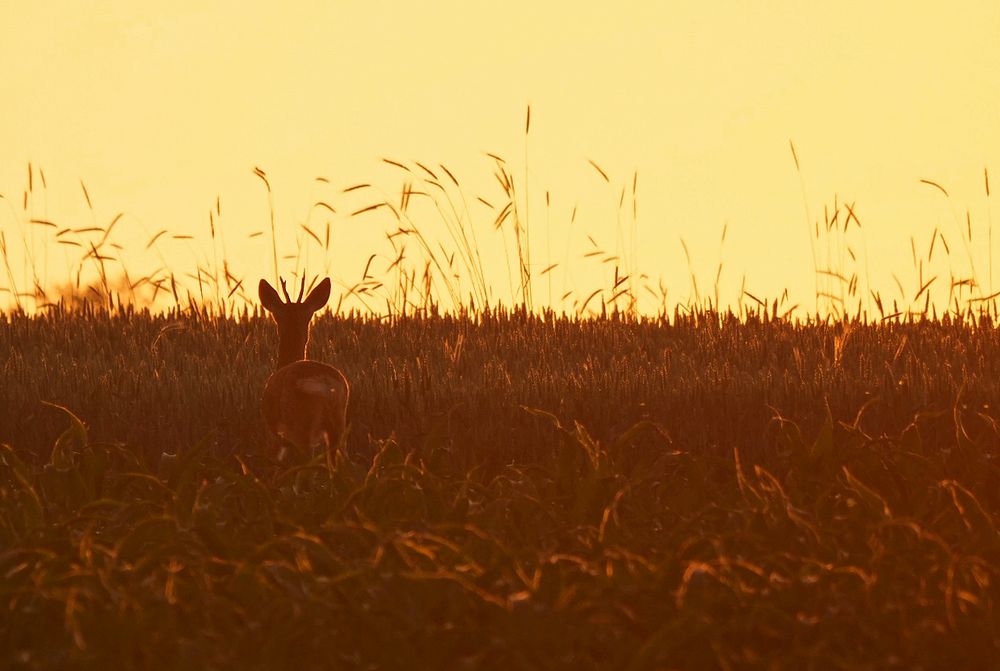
516,492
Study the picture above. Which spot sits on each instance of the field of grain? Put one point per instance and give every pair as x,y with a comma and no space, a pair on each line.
515,492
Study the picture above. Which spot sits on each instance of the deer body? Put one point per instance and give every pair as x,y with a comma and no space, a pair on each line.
304,402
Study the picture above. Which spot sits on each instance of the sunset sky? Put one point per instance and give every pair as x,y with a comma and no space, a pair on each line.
160,108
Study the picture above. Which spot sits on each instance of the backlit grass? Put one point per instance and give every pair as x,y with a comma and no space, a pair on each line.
516,492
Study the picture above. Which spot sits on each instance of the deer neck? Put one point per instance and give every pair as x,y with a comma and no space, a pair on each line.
290,351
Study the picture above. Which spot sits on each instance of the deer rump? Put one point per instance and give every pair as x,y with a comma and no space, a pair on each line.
305,403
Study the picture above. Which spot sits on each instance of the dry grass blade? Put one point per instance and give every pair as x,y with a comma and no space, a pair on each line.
369,208
586,301
156,237
396,164
426,169
600,170
924,288
936,186
450,176
312,234
86,195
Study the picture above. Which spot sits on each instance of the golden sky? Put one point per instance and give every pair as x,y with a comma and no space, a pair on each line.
160,108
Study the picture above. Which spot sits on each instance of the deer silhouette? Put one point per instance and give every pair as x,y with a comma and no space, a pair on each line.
304,402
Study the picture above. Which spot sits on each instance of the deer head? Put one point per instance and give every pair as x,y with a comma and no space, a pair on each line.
293,317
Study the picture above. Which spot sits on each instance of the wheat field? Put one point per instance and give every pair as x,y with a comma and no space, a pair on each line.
516,490
645,336
573,482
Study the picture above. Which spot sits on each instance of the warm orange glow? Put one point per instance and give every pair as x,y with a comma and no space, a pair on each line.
160,112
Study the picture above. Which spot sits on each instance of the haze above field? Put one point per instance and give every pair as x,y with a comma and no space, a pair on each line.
161,110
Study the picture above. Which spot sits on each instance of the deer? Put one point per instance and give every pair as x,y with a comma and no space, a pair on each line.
304,402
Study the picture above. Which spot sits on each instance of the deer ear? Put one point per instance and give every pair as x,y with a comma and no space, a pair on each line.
318,297
269,297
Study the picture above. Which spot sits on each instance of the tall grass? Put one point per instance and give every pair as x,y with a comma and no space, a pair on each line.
523,485
517,491
431,257
132,375
952,284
